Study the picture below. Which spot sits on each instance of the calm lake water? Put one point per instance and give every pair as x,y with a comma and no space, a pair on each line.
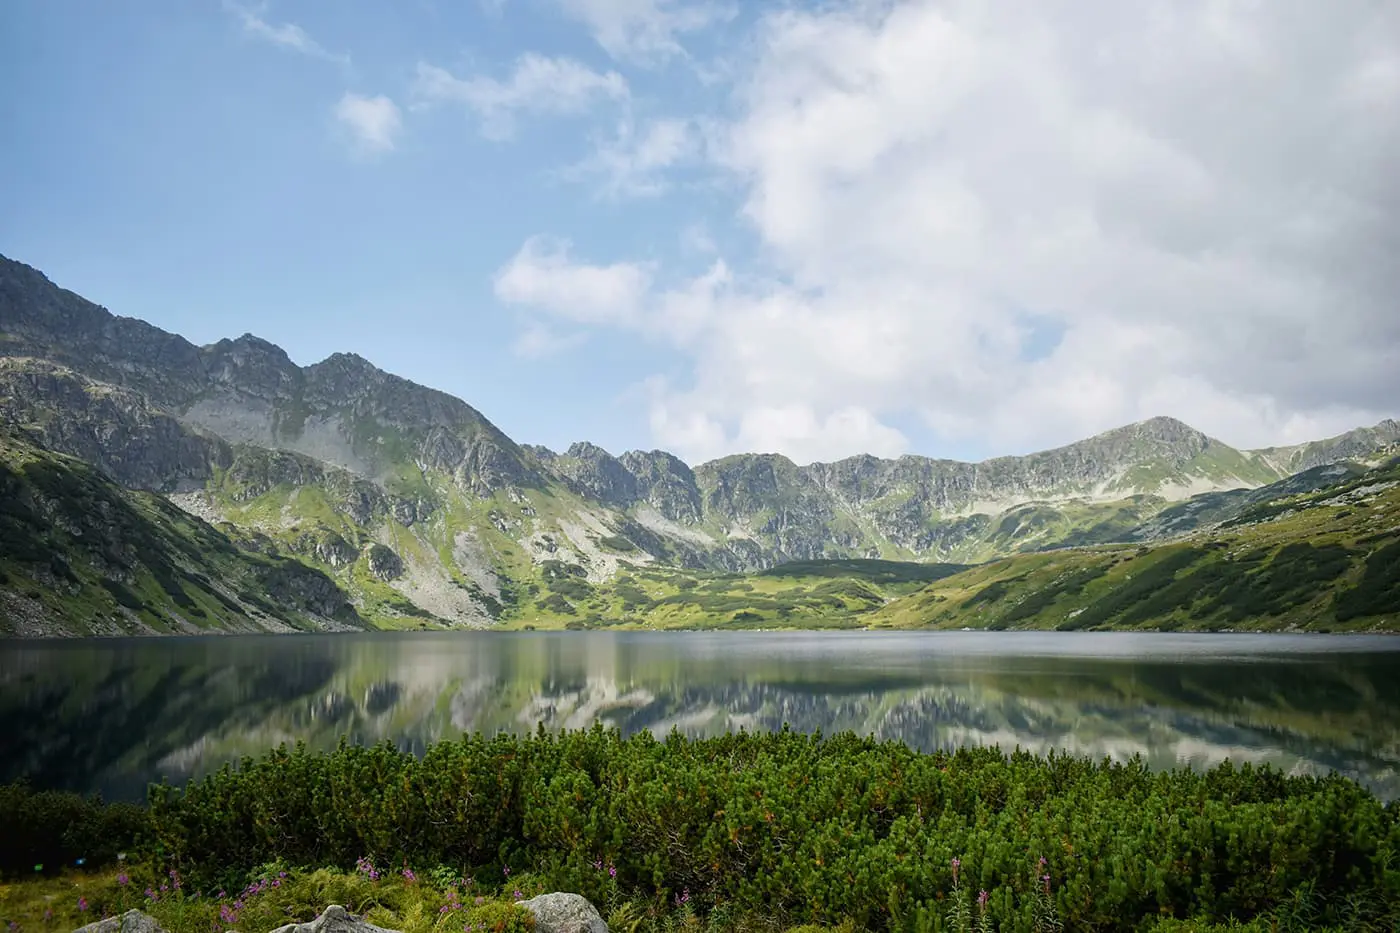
112,715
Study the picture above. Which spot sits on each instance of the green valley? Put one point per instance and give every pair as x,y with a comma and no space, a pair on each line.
401,507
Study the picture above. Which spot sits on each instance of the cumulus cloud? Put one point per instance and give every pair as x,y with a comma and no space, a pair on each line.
543,276
373,122
285,35
644,31
635,163
537,84
1195,200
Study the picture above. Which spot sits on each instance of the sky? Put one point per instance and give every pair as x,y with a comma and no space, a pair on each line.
942,227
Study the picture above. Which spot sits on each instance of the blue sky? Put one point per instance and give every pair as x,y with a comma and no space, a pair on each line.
821,230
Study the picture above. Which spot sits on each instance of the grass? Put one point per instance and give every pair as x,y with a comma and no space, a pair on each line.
82,555
436,900
1323,560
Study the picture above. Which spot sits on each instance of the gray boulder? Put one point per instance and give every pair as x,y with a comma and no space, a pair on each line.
133,921
334,919
565,913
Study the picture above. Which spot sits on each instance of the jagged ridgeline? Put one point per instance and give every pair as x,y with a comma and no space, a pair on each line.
421,513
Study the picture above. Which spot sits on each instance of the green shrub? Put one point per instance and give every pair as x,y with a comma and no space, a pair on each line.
53,829
796,828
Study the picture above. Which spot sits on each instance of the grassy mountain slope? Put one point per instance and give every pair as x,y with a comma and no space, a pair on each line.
426,514
1322,560
80,555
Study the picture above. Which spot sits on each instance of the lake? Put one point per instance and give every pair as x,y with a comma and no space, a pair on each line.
112,715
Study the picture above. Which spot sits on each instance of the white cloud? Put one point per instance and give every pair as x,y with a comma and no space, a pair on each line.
1198,198
543,276
644,31
285,35
633,164
537,84
373,121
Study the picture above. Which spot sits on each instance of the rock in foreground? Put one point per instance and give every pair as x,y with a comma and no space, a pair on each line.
133,921
564,913
334,919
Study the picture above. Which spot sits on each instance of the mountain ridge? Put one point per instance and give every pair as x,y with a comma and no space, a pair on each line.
385,483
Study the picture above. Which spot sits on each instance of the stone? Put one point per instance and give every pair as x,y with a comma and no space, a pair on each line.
334,919
133,921
565,913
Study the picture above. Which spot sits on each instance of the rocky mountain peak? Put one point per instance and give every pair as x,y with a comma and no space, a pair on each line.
253,365
592,471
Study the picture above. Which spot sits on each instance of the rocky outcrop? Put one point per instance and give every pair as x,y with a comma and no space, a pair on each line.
334,919
383,563
591,471
112,427
1360,442
353,451
564,913
133,921
665,483
342,410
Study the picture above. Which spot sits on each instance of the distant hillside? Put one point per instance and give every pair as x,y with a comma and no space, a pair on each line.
79,555
1326,559
424,513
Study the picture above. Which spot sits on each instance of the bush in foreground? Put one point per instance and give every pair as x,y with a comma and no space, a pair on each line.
802,829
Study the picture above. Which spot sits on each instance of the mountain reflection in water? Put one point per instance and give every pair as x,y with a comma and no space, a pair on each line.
112,715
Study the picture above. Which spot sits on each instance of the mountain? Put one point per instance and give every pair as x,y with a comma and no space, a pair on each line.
1304,555
421,510
81,555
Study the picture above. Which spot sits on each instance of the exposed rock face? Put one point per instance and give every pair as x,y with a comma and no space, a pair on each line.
109,426
334,919
327,547
342,410
1357,443
384,563
322,460
564,913
665,483
133,921
593,472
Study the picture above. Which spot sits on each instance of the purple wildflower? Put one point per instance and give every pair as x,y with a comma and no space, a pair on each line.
151,895
82,904
683,897
409,876
612,871
518,895
480,901
507,871
982,898
123,879
13,927
48,914
957,863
